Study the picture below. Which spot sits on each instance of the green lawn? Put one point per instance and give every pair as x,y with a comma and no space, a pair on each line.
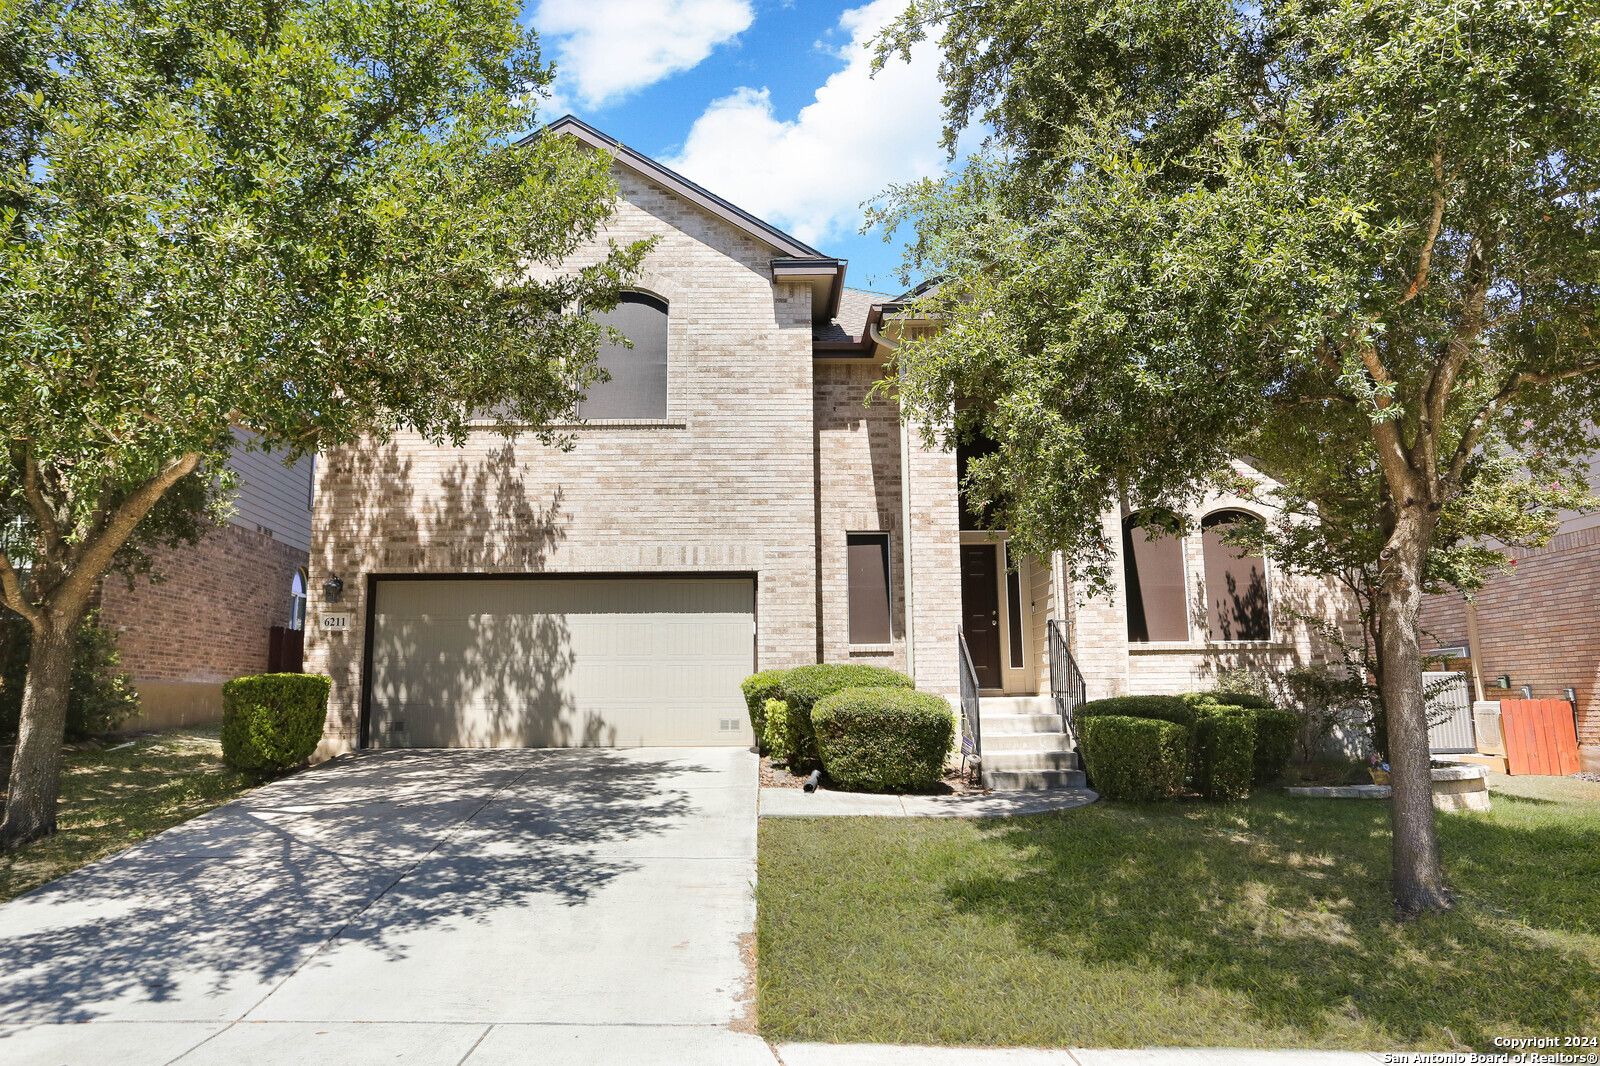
1263,923
113,799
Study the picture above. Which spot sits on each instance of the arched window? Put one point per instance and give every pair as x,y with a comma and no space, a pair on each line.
638,385
297,600
1152,566
1236,582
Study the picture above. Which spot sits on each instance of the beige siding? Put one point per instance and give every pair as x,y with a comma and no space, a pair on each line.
273,499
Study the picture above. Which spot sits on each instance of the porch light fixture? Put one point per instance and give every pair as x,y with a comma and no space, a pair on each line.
333,589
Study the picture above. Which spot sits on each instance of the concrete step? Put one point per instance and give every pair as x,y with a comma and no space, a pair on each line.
994,741
998,761
1018,780
1019,723
1016,705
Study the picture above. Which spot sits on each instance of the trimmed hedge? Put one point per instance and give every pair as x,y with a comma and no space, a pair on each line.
758,688
1159,708
805,685
1275,735
1229,699
272,721
1225,746
883,739
782,738
1134,759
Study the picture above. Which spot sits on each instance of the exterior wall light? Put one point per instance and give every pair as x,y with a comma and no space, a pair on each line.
333,589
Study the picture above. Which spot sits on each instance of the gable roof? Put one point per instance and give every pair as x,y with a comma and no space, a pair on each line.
797,261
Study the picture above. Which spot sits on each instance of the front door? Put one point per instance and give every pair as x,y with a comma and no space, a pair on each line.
980,611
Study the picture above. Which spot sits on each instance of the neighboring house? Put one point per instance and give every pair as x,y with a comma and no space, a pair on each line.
1537,627
731,504
209,617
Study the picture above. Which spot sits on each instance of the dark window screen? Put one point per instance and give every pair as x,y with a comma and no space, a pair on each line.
638,385
1236,584
1014,609
1152,565
869,588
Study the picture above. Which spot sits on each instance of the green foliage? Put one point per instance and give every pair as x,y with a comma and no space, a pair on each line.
272,721
781,736
100,696
1224,754
805,685
1275,741
883,739
1160,708
1228,699
758,688
1133,759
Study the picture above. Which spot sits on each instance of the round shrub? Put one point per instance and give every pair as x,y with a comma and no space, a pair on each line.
1134,759
883,739
272,721
805,685
758,688
782,737
1224,754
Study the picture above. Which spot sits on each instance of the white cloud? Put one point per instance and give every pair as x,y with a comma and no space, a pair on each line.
810,174
606,49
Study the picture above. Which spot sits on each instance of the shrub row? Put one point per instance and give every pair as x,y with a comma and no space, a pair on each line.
864,724
1231,743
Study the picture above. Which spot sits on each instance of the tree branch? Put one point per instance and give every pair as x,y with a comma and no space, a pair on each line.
103,544
43,513
1480,421
11,592
1435,220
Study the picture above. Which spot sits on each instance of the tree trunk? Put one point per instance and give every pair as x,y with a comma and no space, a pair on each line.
1418,876
36,765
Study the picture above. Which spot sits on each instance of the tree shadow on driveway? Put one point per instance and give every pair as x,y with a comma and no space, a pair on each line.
204,920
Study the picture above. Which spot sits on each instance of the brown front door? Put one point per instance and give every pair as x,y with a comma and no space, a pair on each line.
980,611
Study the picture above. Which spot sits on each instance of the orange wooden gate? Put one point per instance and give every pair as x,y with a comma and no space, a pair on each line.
1540,737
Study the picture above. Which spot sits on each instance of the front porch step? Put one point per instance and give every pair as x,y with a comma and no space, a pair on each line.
1016,705
1019,723
1020,780
998,761
997,742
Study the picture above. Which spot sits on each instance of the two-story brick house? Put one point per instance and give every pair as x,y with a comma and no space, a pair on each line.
731,503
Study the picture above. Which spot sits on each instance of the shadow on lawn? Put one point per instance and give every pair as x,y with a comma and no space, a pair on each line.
1287,904
240,898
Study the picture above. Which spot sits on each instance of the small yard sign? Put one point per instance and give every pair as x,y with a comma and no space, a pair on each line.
338,623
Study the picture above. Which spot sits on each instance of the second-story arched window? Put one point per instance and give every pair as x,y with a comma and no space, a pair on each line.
1237,606
1152,568
638,385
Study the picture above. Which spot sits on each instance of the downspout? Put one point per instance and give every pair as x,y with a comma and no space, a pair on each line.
905,519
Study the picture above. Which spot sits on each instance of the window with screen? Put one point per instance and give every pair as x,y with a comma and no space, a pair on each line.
638,375
297,600
869,588
1236,581
1152,570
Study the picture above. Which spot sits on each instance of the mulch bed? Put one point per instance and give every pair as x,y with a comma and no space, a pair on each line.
953,784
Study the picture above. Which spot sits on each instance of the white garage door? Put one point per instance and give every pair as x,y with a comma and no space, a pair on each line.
560,662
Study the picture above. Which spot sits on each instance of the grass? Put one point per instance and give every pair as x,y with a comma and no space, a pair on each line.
112,799
1264,923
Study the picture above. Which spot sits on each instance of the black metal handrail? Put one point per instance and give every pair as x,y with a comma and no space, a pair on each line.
1066,680
971,734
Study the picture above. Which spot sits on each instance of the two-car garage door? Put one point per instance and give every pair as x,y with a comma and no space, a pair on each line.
558,662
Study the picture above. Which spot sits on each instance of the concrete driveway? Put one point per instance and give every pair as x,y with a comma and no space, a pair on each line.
479,907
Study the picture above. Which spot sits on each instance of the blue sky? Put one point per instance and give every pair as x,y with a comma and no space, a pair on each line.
767,103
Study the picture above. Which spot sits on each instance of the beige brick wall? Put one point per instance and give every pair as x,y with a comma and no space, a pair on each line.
727,485
858,491
936,566
1540,624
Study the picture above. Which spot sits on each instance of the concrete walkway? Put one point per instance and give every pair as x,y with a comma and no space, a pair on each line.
410,907
796,803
